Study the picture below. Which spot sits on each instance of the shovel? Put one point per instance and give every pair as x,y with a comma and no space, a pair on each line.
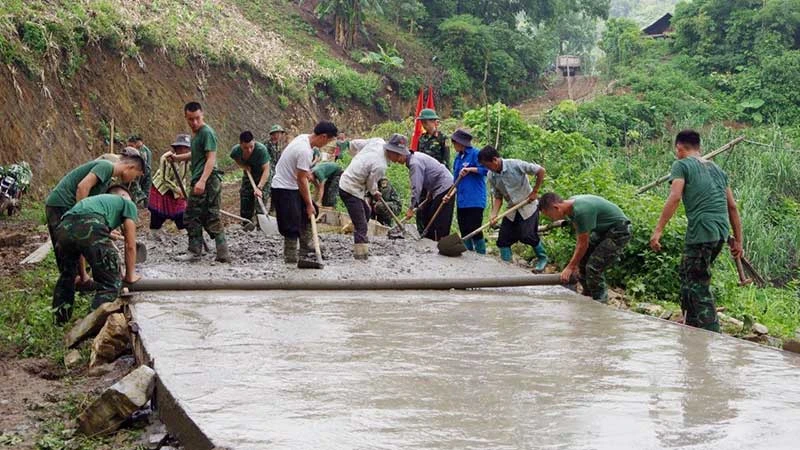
447,196
453,245
400,224
315,235
267,224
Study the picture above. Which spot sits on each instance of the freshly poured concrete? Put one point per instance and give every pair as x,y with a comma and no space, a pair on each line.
459,370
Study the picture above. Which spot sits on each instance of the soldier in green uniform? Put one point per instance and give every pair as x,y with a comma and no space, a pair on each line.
602,230
251,156
205,192
711,211
392,198
91,178
87,230
325,178
433,142
146,179
276,137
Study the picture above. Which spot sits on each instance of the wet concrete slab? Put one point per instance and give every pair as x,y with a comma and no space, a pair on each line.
508,368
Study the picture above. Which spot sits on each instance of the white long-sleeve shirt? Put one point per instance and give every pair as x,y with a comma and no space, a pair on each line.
365,170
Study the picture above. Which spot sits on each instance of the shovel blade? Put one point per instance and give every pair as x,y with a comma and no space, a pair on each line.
267,224
141,253
451,245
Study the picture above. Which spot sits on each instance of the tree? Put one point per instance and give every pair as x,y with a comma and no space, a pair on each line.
622,41
348,17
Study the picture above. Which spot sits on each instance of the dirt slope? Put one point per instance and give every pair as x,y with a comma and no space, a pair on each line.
55,126
583,88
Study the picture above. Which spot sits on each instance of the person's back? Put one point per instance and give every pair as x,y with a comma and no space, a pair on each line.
432,175
367,168
63,195
704,198
296,156
595,214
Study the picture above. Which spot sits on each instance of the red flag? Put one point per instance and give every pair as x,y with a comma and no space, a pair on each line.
430,104
417,123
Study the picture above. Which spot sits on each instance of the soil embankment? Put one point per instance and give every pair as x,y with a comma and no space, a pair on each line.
56,123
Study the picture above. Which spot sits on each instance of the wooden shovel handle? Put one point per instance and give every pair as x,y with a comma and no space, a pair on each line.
441,205
253,184
501,216
743,280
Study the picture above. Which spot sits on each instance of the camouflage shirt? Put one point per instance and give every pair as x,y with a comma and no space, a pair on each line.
390,195
435,145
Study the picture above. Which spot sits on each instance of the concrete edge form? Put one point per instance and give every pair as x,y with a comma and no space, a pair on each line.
338,285
164,404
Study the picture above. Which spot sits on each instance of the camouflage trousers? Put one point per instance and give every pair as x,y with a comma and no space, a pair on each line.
697,301
54,214
87,236
604,250
382,214
247,199
137,195
202,212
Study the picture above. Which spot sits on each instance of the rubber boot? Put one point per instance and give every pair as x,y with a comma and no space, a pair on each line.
480,246
541,257
223,255
193,254
469,244
361,252
307,258
289,251
505,254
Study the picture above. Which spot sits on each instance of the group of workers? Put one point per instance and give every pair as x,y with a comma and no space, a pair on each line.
84,210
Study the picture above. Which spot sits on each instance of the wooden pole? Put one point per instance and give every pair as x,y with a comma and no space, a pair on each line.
497,134
111,138
707,157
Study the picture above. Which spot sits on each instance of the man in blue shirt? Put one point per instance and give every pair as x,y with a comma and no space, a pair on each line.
508,180
471,190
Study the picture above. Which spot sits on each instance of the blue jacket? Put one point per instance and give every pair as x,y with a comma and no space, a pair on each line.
471,191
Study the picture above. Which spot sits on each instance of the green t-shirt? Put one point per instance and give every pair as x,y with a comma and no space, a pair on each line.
258,158
113,208
203,142
63,195
704,198
591,213
323,171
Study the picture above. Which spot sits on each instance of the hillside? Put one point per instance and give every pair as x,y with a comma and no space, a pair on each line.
71,66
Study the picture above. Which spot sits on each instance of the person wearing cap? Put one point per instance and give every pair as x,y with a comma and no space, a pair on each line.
471,190
86,180
86,231
360,179
166,201
433,142
205,189
429,176
291,196
508,181
276,136
251,156
325,178
145,180
342,145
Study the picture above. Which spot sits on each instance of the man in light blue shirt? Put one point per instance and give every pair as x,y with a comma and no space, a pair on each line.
508,180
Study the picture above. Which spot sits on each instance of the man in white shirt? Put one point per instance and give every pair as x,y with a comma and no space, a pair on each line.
291,197
361,178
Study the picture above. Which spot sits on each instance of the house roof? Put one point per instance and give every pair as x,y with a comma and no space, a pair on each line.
660,26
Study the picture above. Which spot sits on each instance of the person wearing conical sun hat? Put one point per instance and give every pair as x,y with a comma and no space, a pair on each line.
433,142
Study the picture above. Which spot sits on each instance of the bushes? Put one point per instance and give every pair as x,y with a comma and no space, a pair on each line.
347,84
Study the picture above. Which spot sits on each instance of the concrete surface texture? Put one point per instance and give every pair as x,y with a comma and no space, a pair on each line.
509,368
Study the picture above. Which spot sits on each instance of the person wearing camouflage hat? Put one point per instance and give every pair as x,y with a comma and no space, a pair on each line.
86,231
433,142
277,135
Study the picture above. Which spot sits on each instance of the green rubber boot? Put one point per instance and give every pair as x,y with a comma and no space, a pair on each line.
505,254
541,257
480,246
